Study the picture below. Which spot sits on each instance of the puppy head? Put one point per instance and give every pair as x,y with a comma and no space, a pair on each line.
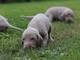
31,39
67,16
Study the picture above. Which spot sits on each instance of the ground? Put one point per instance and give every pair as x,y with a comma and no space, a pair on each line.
67,36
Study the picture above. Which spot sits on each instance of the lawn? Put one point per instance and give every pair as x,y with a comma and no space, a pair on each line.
67,36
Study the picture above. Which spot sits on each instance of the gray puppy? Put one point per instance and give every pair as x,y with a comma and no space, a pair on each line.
4,24
58,13
37,33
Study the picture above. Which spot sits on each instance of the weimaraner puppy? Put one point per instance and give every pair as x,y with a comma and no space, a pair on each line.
37,33
58,13
4,24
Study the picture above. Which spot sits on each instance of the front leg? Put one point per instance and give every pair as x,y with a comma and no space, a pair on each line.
45,40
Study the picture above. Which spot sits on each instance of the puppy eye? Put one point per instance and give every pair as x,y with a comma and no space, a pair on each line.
23,38
32,38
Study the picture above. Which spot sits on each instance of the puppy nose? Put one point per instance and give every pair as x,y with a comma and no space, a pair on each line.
69,21
28,46
24,46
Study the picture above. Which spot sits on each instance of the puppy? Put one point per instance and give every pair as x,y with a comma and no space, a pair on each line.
4,25
37,33
57,13
60,13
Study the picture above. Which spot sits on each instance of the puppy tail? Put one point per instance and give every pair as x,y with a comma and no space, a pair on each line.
17,28
29,17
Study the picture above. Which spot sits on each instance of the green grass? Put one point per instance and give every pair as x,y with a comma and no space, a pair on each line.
67,36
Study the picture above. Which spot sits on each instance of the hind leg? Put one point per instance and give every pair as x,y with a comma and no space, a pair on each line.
2,29
45,40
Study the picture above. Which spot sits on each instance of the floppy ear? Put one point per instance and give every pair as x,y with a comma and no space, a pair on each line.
60,17
39,41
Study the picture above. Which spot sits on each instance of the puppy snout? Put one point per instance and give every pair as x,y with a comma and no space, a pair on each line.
28,46
69,19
